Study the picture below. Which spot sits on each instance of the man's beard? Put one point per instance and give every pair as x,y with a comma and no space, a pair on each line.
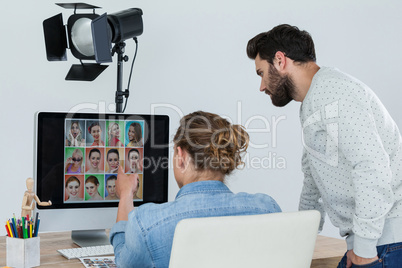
281,88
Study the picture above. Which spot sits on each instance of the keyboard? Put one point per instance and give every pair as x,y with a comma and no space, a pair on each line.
73,253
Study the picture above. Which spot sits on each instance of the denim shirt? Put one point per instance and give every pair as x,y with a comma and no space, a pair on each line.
145,240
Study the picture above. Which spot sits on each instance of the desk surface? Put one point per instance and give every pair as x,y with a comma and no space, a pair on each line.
328,251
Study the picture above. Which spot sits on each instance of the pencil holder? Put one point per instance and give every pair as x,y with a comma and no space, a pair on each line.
23,253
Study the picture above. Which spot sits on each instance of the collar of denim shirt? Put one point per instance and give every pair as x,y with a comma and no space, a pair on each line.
202,187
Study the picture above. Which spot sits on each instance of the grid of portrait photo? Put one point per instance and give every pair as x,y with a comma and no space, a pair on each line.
93,152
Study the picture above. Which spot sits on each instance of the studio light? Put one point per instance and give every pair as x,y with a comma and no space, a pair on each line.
89,37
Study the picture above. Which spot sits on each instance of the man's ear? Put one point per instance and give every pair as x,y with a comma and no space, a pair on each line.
280,61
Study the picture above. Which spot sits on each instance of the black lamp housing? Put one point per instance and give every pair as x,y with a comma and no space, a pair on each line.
89,36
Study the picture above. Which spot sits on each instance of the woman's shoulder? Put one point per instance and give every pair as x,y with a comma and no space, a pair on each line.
259,200
152,212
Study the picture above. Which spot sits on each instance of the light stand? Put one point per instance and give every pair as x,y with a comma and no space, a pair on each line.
119,48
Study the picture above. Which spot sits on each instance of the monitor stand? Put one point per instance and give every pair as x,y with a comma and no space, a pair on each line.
89,238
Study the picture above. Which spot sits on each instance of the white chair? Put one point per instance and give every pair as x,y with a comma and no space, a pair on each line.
270,240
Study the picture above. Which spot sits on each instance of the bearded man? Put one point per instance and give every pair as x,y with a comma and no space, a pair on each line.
352,158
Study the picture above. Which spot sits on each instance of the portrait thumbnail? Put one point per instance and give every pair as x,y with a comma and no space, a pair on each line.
95,160
114,159
73,188
75,133
134,133
115,135
94,187
134,160
96,130
74,160
139,194
110,186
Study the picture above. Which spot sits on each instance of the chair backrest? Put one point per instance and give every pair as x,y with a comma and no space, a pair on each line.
283,240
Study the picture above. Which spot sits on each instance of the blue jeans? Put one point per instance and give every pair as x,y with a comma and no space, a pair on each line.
390,256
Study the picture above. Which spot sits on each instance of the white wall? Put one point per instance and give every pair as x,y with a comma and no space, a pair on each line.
192,56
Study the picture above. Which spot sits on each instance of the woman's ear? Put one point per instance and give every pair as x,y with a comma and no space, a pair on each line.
179,155
182,158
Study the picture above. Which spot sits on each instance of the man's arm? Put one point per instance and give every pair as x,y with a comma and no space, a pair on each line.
361,144
310,196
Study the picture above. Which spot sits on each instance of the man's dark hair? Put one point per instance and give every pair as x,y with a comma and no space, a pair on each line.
295,44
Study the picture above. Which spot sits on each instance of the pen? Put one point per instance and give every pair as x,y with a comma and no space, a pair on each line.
30,229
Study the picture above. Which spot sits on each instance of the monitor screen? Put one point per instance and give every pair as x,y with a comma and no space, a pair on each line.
78,154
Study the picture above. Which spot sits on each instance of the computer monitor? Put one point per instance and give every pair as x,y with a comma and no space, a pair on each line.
76,159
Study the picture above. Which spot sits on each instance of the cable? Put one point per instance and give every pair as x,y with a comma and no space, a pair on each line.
131,72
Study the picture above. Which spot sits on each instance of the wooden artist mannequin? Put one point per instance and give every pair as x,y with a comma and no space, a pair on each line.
27,201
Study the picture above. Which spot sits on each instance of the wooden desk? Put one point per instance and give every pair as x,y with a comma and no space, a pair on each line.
328,251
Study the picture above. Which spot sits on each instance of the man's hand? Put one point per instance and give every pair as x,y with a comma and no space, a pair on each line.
126,184
352,258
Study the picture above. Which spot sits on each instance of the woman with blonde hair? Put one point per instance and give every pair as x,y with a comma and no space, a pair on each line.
114,135
207,148
74,163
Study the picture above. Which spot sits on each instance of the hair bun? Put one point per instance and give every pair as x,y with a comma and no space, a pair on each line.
227,146
212,141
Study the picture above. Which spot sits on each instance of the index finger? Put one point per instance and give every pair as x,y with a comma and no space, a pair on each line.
120,170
